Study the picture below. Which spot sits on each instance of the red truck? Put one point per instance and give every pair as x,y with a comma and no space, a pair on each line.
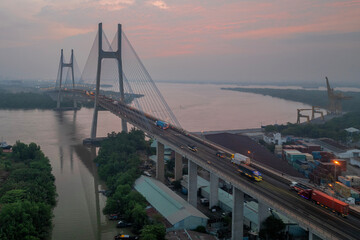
325,200
297,187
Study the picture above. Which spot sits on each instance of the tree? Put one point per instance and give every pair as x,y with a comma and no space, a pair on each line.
156,231
22,220
176,184
200,229
272,228
139,217
13,196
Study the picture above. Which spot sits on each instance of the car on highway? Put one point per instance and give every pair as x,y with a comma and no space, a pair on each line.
192,148
220,154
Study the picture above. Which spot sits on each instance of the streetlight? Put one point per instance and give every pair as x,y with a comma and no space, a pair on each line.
336,163
252,154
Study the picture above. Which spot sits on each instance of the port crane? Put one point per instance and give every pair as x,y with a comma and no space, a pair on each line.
299,115
334,99
314,109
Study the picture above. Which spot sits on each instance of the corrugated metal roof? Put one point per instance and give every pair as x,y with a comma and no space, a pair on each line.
165,201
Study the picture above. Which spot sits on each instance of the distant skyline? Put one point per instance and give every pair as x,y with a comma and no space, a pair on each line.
190,41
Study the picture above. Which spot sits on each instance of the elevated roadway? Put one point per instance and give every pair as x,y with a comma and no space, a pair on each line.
273,190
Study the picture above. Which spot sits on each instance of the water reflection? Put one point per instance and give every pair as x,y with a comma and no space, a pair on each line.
87,197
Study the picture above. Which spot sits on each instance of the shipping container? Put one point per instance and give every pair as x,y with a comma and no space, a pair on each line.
342,190
330,202
344,181
354,180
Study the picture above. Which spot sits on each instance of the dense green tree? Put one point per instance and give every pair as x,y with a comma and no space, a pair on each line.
334,128
152,232
138,216
13,195
21,220
200,229
30,100
27,195
272,228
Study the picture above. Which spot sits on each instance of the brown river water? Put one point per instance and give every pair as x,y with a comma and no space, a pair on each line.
198,107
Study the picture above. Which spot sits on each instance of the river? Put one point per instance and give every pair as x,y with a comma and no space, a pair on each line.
198,107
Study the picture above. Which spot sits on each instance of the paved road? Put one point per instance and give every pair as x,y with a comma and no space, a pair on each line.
336,226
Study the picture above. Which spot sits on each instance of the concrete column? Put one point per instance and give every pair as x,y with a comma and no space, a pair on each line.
263,213
178,166
311,235
214,190
192,183
160,162
237,231
124,126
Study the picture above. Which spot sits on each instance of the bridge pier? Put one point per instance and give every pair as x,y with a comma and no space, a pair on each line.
214,190
124,126
192,183
237,228
160,162
178,166
263,213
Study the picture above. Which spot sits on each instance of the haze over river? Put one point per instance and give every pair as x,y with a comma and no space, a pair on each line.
198,107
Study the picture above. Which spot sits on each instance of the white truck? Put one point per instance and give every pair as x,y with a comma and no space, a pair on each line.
238,158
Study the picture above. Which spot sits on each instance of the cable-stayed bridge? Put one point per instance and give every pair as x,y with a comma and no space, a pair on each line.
115,79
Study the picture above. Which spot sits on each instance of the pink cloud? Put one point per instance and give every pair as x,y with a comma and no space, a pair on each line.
159,4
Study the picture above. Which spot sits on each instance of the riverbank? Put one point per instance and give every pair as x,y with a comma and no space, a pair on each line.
311,97
27,193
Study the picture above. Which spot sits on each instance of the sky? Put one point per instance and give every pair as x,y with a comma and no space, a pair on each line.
190,40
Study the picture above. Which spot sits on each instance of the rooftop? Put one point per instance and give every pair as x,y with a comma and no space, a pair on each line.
165,201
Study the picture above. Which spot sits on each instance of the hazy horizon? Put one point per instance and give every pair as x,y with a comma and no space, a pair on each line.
282,42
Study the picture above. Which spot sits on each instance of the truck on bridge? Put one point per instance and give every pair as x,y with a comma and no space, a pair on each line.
325,200
238,159
249,172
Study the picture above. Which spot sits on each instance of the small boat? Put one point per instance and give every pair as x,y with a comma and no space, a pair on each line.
4,145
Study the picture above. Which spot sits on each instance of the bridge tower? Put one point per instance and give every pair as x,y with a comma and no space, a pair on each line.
114,55
64,65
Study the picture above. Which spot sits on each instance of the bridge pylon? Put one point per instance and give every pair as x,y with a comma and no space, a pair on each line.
113,55
62,66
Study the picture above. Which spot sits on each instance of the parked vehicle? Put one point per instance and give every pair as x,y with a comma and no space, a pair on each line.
326,201
123,224
162,124
238,159
122,236
204,201
114,216
249,172
4,145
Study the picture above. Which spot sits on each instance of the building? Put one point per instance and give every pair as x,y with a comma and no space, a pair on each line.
274,138
353,155
177,211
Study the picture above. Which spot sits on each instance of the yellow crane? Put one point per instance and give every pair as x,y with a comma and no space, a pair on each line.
316,109
299,115
334,99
